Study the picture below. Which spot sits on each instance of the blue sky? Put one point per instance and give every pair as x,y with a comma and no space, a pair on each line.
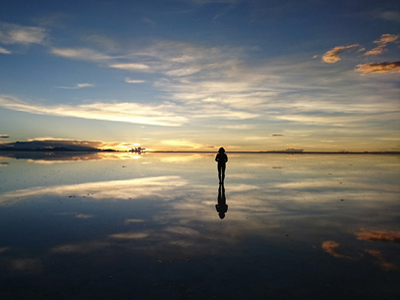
198,74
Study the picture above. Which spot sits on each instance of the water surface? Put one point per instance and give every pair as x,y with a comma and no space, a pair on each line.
102,226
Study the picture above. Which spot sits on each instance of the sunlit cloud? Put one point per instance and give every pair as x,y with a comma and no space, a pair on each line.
128,80
376,51
387,38
381,261
77,86
160,114
4,51
4,136
382,42
378,235
238,127
331,247
130,66
16,34
181,144
332,56
379,68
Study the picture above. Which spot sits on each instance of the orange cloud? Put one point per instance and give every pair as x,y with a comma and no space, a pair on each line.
385,67
386,266
387,38
331,248
332,56
374,236
382,42
376,51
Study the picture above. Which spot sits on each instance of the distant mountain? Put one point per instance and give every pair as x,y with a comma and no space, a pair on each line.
46,146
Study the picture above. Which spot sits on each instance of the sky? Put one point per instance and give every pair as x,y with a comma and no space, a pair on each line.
200,74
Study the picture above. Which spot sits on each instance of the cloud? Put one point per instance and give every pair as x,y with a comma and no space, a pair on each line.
129,189
277,134
4,136
181,144
382,42
157,114
331,247
80,54
238,127
378,236
380,68
390,16
128,80
381,261
332,56
376,51
130,66
16,34
130,235
4,51
387,38
77,86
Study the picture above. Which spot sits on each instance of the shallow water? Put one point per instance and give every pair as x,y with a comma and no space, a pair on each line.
120,226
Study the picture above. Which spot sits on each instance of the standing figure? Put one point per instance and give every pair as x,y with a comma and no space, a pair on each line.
221,158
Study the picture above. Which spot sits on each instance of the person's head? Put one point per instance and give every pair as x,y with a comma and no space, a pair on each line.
221,150
221,215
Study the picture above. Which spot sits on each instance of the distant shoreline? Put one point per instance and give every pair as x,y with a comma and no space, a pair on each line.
280,152
199,152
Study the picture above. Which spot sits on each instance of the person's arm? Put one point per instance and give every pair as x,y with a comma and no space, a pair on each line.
226,158
216,158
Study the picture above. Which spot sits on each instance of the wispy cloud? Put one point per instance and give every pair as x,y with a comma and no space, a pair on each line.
238,127
16,34
331,247
77,86
390,16
382,42
4,136
128,80
130,66
379,68
4,51
158,114
332,56
182,144
277,134
80,54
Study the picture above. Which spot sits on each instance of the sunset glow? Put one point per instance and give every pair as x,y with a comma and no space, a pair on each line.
195,75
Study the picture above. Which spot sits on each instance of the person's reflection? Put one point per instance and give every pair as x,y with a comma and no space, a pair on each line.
221,207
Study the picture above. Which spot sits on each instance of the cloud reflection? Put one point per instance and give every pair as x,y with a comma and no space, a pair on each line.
115,189
378,235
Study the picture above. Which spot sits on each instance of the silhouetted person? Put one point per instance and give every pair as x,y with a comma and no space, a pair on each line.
221,158
221,207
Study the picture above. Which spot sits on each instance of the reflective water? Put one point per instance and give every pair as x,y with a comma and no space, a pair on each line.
115,226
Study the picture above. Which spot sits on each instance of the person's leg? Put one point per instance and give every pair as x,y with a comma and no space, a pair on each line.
219,173
223,172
